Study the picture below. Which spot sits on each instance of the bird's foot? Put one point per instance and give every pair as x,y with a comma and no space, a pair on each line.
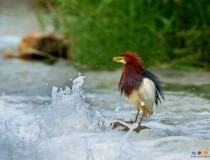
139,128
126,128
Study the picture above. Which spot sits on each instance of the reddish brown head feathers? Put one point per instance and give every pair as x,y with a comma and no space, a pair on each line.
131,74
132,58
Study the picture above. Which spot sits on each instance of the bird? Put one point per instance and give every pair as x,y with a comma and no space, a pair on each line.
141,87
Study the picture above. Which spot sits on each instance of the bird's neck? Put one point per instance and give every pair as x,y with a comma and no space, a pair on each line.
131,78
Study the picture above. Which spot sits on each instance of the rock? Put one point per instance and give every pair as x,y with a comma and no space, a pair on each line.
42,46
125,128
7,53
49,44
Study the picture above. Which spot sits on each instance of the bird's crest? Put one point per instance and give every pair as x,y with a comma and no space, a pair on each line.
132,58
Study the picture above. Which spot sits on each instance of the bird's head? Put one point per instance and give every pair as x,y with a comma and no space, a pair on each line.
128,58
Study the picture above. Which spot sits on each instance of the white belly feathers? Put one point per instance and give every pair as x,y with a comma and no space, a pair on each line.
144,96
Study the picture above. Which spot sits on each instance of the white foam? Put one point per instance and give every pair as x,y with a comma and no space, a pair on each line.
69,128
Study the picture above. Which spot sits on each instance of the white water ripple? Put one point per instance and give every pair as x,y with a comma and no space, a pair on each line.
70,128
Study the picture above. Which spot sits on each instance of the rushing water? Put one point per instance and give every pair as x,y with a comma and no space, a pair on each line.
39,121
72,123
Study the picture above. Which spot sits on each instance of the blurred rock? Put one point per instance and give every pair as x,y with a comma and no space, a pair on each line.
41,46
32,46
9,54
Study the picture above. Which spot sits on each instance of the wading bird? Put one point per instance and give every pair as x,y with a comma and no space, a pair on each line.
142,88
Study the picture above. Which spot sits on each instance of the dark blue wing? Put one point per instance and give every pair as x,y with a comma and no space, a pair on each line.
158,85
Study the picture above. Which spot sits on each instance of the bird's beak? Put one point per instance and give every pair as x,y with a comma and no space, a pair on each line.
111,59
118,59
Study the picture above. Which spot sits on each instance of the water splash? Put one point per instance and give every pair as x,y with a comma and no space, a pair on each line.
68,111
32,129
71,126
67,127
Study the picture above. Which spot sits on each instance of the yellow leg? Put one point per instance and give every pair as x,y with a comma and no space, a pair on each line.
141,119
145,111
137,114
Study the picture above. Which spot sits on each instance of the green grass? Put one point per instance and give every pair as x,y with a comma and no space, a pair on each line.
172,32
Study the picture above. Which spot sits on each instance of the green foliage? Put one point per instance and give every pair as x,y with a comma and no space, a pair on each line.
161,32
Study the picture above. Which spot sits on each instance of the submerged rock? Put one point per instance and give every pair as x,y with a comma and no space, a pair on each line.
129,126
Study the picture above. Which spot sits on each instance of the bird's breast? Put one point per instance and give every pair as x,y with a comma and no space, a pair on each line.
129,81
144,95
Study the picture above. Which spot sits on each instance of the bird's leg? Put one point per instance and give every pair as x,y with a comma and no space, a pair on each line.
137,113
141,119
143,114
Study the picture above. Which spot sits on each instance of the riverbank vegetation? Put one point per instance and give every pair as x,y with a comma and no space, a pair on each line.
174,33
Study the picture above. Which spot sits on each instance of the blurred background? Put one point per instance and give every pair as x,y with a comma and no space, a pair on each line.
165,33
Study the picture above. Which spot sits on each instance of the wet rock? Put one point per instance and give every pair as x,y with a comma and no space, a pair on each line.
126,128
41,46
